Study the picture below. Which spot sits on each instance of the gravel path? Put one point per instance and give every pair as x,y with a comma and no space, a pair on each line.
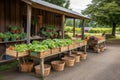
103,66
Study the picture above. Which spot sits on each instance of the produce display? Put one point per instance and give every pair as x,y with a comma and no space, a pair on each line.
41,46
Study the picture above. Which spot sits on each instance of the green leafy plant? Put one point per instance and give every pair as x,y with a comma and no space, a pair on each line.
13,27
14,36
23,36
1,35
6,36
21,47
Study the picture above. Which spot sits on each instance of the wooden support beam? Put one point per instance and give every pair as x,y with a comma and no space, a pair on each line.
74,25
82,29
63,25
29,11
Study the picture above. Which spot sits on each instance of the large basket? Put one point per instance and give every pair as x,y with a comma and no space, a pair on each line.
26,67
13,53
77,57
64,48
69,61
55,50
58,65
47,69
83,56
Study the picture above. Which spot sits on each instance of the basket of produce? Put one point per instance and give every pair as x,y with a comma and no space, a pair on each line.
58,65
38,50
51,45
63,43
20,50
69,61
47,69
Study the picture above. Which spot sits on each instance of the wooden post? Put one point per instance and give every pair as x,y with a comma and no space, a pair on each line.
74,27
63,25
42,68
82,29
29,11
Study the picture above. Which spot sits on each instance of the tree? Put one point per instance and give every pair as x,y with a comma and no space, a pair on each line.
62,3
105,12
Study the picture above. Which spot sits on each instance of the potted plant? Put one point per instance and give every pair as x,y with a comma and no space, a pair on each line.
1,36
13,29
14,37
6,36
23,36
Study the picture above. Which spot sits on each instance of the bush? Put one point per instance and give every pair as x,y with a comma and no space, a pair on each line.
100,30
69,29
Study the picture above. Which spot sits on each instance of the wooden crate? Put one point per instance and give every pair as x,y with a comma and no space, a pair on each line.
64,48
76,44
71,46
40,54
55,50
13,53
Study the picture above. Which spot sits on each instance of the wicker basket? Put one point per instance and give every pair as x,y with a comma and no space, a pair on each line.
58,65
13,53
55,50
83,56
77,57
64,48
69,61
47,69
26,67
96,49
102,49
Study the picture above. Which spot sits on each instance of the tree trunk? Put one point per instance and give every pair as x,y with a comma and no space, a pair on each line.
114,29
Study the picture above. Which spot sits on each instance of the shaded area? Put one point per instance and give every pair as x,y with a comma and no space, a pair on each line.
103,66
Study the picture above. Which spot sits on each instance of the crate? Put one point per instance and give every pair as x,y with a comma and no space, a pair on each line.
64,48
70,46
13,53
55,50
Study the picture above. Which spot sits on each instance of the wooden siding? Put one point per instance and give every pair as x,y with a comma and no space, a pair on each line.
14,12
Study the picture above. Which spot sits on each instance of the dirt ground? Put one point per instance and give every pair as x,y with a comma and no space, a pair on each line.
102,66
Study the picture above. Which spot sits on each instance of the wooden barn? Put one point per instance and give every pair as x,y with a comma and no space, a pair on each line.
31,15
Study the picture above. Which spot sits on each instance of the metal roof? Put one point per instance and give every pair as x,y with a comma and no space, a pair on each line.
44,3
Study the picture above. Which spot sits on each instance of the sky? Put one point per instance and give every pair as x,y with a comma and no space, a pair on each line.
78,5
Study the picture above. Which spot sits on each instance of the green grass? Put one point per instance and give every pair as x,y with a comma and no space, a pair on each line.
7,66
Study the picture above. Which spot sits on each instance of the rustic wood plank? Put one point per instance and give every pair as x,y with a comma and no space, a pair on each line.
29,11
74,27
63,23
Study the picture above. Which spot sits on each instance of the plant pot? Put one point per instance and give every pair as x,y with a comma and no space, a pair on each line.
13,31
58,65
5,39
47,69
0,39
13,39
